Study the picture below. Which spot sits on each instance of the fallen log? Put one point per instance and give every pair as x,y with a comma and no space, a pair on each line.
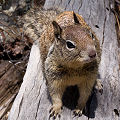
32,101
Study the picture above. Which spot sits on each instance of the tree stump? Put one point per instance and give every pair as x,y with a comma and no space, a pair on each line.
32,101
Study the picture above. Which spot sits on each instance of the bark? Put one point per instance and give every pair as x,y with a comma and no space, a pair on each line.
10,81
32,101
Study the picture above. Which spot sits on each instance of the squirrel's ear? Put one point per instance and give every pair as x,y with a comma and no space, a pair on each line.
75,18
57,29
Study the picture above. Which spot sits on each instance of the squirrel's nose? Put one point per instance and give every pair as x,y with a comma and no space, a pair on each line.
92,54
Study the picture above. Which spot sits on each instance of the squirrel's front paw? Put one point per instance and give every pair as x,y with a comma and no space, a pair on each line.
55,111
77,112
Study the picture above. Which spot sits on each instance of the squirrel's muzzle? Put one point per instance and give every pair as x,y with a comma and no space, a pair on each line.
92,54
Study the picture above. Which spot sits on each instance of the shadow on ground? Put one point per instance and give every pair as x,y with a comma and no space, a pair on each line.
71,96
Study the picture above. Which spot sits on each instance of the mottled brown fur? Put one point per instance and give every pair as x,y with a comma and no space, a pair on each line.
64,67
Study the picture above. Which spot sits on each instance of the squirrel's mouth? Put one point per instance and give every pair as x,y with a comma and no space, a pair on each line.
90,60
85,59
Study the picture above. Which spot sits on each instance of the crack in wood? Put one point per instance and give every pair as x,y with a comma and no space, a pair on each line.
67,4
80,5
73,4
104,24
53,3
90,12
20,106
31,88
38,107
39,100
59,3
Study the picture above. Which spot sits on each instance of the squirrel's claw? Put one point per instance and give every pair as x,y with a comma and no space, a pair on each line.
54,112
77,112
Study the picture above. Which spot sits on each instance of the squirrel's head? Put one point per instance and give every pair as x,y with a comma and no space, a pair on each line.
74,44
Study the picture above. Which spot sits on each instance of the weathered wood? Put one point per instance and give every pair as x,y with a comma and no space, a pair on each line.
32,101
32,88
10,80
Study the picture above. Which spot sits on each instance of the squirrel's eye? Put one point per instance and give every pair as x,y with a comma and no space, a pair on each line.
70,44
92,35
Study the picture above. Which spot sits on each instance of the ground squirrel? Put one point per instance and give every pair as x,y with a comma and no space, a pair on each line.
70,53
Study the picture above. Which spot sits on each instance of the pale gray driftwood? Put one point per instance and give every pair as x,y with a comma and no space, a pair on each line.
32,101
